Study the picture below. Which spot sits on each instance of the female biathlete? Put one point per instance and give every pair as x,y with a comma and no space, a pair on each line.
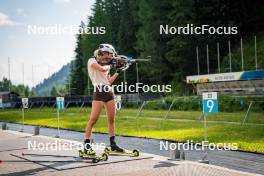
103,96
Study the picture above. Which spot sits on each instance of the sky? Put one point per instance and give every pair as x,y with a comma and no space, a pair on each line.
35,35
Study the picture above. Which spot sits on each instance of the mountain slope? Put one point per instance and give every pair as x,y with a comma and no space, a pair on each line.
58,79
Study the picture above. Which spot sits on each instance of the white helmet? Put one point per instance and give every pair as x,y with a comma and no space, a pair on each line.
108,48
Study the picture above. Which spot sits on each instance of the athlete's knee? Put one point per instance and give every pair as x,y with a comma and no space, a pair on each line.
92,122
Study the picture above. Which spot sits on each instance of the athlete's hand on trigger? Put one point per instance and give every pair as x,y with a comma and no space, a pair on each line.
122,69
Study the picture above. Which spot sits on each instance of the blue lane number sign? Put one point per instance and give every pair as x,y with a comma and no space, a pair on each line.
60,102
210,103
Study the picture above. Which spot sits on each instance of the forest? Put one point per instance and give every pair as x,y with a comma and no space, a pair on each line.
133,28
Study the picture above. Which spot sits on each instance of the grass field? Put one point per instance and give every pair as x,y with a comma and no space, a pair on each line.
179,126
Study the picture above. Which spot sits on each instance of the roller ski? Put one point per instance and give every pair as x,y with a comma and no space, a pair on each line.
115,150
88,153
95,158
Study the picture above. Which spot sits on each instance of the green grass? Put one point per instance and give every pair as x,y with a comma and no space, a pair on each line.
180,126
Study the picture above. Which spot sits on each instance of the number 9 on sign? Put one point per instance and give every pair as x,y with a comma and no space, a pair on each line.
210,106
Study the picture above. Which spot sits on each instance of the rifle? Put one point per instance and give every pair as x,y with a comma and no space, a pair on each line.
120,61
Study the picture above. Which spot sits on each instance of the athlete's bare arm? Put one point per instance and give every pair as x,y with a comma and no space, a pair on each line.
112,78
100,68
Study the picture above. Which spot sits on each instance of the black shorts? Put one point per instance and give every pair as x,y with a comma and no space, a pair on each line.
102,95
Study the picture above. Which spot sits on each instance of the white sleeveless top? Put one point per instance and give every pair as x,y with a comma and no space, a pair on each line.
97,77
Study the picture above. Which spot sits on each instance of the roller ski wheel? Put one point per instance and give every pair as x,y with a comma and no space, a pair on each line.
95,158
134,153
107,150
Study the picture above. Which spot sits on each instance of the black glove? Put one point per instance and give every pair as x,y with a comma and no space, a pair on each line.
113,63
119,70
122,69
